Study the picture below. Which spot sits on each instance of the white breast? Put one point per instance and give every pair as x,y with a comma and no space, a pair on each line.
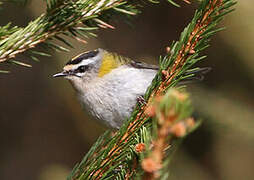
111,99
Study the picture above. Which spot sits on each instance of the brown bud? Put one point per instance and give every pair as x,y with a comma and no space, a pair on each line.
140,147
158,98
150,111
150,166
190,122
192,51
179,129
168,49
180,96
165,73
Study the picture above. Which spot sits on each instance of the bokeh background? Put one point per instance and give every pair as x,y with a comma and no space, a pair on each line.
44,132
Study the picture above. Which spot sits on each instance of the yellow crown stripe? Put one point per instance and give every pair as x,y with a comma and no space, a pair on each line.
78,55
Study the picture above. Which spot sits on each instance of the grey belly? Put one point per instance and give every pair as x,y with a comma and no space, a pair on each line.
112,102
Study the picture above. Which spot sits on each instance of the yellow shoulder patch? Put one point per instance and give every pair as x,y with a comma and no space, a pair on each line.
109,62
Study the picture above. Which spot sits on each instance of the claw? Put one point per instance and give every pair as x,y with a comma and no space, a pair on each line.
141,100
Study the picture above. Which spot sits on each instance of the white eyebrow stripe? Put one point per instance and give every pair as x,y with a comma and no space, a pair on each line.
85,62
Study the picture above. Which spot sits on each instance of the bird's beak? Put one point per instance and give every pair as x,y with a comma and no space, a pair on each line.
61,74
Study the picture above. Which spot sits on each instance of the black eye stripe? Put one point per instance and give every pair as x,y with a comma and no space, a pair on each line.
81,69
82,57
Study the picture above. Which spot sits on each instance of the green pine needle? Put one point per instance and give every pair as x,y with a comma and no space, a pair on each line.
4,72
20,63
117,158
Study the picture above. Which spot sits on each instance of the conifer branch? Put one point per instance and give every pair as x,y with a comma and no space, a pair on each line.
172,115
76,19
63,17
115,157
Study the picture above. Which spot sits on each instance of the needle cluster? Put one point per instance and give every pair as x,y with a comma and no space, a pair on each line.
144,146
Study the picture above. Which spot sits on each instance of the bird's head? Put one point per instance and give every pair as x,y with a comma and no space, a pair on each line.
88,66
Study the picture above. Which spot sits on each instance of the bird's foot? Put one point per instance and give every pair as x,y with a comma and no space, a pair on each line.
141,100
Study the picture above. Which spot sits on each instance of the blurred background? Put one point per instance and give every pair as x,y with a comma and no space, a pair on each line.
44,132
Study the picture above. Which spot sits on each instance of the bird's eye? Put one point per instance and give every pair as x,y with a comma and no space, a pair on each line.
82,69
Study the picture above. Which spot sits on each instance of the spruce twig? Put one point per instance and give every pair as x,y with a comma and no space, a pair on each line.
117,158
172,115
76,19
63,17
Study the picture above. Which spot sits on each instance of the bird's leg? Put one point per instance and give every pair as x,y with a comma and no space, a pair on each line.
141,100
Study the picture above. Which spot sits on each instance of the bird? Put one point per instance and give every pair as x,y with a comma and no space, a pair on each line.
108,85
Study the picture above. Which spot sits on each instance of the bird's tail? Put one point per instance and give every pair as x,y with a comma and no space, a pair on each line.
194,75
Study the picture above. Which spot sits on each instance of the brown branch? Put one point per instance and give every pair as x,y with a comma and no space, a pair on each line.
167,125
186,51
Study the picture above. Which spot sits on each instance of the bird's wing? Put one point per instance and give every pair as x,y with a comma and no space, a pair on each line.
196,74
135,64
142,65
